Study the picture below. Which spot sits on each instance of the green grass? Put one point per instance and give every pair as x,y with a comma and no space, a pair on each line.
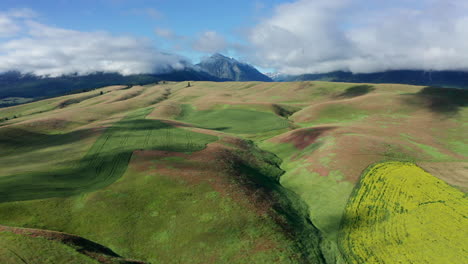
28,109
9,101
459,147
325,197
20,249
430,151
238,121
61,172
321,88
105,161
151,216
454,139
337,114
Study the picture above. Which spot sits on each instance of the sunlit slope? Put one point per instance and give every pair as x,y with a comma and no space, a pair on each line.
231,120
176,197
401,214
42,136
192,177
173,207
18,249
340,136
104,162
26,245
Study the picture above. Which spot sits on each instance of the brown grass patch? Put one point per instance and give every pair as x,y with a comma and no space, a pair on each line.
454,173
215,165
166,110
302,138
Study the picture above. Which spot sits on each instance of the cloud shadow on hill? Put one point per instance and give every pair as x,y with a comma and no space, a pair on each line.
356,91
446,101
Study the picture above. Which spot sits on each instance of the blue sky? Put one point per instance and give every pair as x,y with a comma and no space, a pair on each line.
141,18
293,37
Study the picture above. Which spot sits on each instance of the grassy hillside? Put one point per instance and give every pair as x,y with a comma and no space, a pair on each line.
17,88
222,172
26,245
105,161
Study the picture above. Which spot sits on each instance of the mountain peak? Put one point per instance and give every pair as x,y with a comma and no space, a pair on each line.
219,55
230,69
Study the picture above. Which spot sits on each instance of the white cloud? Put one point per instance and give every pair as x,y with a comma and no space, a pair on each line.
22,13
312,36
10,21
210,41
45,50
8,27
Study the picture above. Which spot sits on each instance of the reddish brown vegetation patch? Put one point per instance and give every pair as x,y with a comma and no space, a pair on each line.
205,166
302,138
216,165
319,168
228,167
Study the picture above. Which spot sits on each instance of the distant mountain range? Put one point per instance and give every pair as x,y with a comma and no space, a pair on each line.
216,68
15,84
453,79
230,69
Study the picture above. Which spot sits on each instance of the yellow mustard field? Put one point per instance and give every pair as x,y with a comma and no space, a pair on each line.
401,214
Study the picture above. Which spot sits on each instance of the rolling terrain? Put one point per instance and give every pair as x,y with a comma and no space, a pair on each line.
19,87
236,172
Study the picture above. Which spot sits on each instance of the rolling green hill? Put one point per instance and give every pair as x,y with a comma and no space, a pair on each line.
232,172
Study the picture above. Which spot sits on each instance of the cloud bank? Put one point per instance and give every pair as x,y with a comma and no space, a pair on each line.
301,36
32,47
316,36
211,42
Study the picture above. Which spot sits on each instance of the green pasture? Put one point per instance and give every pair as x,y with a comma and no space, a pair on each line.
105,161
150,216
20,249
231,120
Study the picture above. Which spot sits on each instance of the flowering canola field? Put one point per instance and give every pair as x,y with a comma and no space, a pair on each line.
401,214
